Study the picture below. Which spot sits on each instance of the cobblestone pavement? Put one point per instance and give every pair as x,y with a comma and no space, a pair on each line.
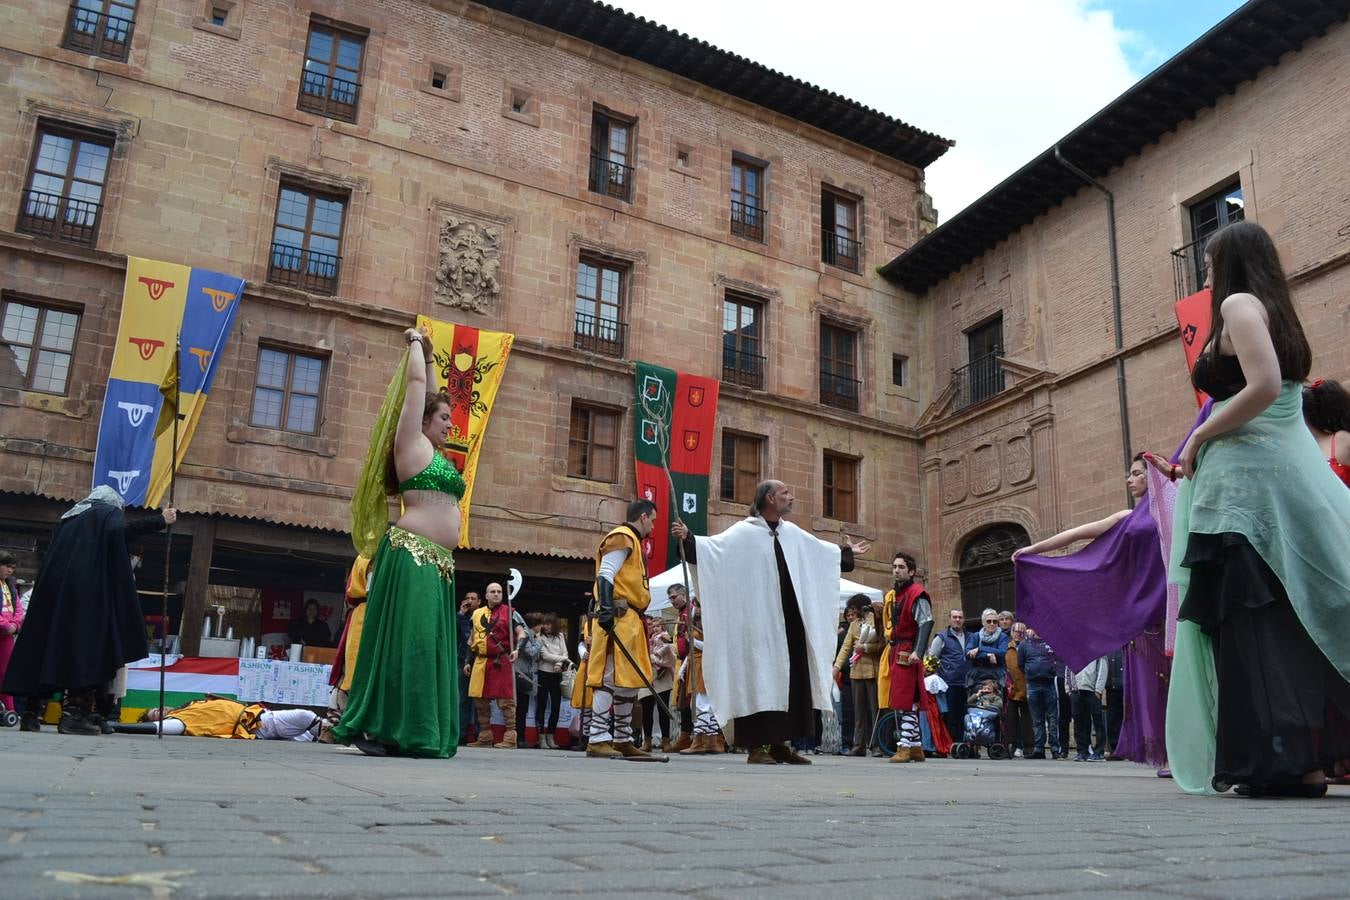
211,818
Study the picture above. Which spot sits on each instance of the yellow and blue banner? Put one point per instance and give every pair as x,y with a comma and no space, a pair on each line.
164,306
469,365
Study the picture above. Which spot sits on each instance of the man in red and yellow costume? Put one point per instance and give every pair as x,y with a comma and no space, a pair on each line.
492,676
907,620
621,596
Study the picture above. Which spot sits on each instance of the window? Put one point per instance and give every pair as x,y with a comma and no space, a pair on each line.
982,377
1223,207
747,199
64,196
36,345
439,79
740,466
593,443
899,365
840,241
841,487
742,341
219,16
612,148
599,325
307,240
286,395
839,385
100,28
330,83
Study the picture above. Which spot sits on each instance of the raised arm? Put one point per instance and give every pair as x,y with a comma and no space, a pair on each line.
410,445
1088,532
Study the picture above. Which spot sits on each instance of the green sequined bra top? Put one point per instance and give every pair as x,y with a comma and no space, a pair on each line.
439,475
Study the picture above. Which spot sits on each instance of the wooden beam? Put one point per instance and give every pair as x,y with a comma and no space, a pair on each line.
194,595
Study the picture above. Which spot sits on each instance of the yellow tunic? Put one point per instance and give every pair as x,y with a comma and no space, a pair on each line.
692,682
356,589
630,585
219,718
478,647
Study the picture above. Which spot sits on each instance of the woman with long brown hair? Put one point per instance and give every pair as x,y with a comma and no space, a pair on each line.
1260,694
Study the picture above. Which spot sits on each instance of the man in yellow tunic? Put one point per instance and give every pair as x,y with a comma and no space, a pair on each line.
221,718
621,595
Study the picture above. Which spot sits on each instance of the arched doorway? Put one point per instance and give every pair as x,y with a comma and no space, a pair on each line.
986,570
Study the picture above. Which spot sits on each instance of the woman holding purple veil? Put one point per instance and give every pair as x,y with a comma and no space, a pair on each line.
1113,595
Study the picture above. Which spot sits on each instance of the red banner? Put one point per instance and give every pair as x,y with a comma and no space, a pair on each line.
1193,315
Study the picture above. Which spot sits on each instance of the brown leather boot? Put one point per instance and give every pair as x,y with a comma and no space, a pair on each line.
630,751
901,755
719,744
916,754
699,745
603,750
647,746
686,740
761,757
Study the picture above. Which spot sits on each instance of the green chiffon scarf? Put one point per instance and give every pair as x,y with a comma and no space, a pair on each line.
370,501
1266,480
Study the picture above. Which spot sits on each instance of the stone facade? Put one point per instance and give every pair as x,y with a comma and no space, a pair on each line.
1046,453
467,200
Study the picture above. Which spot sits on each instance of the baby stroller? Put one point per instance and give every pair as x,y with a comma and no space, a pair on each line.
984,716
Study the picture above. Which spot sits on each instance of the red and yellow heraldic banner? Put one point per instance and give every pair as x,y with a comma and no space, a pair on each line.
676,413
1193,315
469,365
163,305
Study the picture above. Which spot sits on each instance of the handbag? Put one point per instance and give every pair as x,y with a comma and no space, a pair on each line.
569,680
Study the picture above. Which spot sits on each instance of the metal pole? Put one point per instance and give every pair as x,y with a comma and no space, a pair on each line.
168,541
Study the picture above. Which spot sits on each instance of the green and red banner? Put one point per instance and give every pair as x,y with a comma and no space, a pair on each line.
675,416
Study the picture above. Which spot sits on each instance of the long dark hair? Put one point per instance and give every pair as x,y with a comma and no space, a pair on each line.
1326,406
1243,260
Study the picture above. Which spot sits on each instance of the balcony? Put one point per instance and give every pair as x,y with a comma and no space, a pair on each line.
977,381
747,221
1188,267
60,218
596,335
306,270
98,33
740,367
839,391
324,95
613,179
837,250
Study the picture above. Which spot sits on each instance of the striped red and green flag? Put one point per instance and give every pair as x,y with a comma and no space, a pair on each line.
185,679
676,413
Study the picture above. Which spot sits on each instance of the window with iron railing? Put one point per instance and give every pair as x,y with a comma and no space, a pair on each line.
64,196
977,381
330,83
612,149
742,341
747,200
100,28
1207,216
840,243
307,240
598,312
839,383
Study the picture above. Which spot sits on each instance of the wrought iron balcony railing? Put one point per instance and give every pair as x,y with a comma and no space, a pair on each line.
597,335
1188,267
978,380
747,221
740,367
839,391
307,270
106,34
837,250
60,218
327,96
613,179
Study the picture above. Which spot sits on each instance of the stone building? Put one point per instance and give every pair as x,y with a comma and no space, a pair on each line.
604,188
1038,381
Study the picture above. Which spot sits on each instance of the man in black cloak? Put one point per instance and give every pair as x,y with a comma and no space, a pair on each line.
84,621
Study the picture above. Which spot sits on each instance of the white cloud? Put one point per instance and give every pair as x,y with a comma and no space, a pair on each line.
1003,78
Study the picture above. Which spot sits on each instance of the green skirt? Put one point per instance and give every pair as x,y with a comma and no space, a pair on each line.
405,691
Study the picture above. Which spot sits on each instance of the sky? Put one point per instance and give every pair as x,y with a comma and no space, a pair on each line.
1003,78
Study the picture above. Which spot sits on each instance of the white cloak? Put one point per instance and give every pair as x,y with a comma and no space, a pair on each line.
745,656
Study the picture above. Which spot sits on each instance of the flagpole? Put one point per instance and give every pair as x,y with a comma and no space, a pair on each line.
168,540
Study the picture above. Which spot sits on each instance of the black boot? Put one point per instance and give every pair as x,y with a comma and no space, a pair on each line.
75,721
29,721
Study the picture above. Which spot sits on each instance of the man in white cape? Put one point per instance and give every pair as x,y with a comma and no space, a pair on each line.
770,595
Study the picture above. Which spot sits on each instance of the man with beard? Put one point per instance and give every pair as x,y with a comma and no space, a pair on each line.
907,622
492,676
764,580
